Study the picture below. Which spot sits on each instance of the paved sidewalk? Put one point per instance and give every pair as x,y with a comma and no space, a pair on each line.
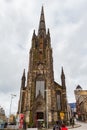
75,126
69,127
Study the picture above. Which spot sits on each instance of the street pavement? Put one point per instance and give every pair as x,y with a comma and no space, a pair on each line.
79,126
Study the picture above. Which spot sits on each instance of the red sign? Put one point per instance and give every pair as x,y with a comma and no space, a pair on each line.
21,120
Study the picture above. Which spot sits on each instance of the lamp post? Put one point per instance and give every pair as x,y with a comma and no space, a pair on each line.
12,96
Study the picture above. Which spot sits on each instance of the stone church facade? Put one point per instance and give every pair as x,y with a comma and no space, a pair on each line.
42,99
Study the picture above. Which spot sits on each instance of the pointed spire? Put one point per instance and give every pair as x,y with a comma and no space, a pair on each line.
62,72
23,79
24,73
34,34
63,79
48,31
42,27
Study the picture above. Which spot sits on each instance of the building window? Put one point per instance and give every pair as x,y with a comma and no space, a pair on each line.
58,101
40,87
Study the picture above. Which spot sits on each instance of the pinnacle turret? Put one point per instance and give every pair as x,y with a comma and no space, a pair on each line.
33,34
42,27
62,73
63,79
23,79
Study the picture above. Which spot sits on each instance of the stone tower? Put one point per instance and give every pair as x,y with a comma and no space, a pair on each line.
42,99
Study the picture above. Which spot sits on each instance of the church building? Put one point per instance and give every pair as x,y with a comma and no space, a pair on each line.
42,100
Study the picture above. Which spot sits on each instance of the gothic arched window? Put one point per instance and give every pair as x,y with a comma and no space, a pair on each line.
59,100
40,87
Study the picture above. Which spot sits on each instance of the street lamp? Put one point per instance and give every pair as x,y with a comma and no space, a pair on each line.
12,96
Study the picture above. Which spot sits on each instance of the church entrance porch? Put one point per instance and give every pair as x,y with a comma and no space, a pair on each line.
40,119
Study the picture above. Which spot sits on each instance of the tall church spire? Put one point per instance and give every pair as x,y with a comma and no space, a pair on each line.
63,79
23,80
42,27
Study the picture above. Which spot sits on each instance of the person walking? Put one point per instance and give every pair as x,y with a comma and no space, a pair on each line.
72,121
57,126
63,127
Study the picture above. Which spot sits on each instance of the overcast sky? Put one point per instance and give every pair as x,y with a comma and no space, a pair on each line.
67,21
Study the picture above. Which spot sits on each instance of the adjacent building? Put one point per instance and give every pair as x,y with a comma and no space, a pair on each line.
3,117
69,113
81,103
41,98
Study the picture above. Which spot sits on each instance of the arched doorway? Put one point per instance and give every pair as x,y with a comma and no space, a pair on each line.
39,119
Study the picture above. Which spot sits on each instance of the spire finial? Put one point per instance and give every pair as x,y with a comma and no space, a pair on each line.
63,79
24,73
48,31
23,76
33,33
62,71
42,27
62,74
23,80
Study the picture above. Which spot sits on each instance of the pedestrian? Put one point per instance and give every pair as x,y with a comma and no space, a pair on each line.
5,125
57,126
72,121
24,125
64,127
